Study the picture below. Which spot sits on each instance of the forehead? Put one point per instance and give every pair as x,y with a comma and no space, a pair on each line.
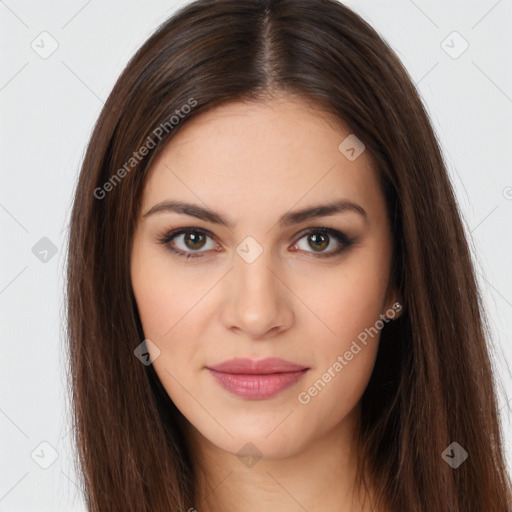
272,155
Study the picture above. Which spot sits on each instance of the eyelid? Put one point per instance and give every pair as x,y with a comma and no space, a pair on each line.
339,236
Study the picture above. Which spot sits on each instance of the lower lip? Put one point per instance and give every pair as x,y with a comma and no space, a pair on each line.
257,387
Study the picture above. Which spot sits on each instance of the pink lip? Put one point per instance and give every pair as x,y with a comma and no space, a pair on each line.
257,379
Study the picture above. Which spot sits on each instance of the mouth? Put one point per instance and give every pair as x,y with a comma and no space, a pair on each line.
257,380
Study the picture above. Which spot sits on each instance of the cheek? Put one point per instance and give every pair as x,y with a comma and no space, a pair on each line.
344,361
157,302
349,303
169,304
163,304
350,299
165,294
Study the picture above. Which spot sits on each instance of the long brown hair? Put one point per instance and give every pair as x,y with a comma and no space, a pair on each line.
432,383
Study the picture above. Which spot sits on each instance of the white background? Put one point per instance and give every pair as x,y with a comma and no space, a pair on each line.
48,108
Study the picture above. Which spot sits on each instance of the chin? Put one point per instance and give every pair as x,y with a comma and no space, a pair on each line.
260,441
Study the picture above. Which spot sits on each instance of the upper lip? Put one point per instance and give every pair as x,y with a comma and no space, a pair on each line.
269,365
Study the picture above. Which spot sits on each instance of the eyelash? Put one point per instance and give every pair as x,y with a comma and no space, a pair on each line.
337,235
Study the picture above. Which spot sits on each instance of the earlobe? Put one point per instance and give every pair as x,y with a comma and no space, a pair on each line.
397,308
394,310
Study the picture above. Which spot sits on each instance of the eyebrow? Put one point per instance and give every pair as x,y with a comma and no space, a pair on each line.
288,219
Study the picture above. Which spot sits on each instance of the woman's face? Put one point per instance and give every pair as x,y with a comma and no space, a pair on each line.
269,284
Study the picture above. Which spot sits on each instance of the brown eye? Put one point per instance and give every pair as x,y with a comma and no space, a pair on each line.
318,241
187,241
194,240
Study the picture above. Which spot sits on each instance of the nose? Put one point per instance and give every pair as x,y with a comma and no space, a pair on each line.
257,301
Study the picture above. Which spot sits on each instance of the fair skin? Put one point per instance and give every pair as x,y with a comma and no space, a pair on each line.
253,163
